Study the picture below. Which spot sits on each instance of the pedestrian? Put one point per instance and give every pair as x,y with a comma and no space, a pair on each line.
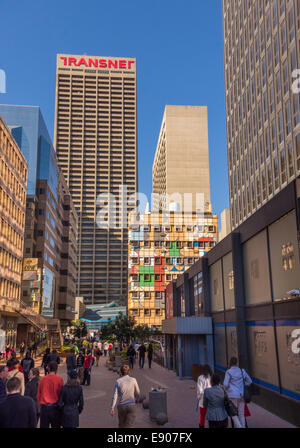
17,411
76,349
204,382
10,361
71,362
7,350
31,389
34,349
71,402
150,354
105,348
3,376
88,362
54,357
48,396
80,366
97,354
214,401
109,348
234,382
27,363
128,392
22,349
131,355
15,373
46,360
142,351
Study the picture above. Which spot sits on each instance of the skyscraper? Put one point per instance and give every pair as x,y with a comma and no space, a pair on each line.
181,162
261,51
96,143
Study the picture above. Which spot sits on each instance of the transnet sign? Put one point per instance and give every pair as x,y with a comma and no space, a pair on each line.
98,63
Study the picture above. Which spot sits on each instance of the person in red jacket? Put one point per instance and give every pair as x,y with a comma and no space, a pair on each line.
88,363
48,396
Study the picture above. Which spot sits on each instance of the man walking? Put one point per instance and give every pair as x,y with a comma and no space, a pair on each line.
80,366
88,362
27,364
71,362
128,392
105,347
48,395
142,351
17,411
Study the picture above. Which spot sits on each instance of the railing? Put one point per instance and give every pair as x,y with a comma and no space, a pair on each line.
28,313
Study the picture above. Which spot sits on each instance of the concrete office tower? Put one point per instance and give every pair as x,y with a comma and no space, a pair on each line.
96,144
50,246
262,108
13,183
181,162
225,224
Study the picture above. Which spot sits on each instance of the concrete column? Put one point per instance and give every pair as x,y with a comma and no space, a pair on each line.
180,366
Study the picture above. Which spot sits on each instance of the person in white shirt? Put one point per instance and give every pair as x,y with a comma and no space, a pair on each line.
204,382
234,381
127,391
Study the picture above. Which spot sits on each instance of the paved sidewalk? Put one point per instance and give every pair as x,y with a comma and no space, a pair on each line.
181,398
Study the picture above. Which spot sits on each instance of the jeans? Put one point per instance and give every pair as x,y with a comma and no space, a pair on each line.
142,361
239,420
86,377
130,359
149,361
50,415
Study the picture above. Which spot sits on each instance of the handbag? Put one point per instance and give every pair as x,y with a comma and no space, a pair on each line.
247,391
230,407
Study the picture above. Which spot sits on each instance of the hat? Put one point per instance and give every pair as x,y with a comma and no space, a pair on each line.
73,374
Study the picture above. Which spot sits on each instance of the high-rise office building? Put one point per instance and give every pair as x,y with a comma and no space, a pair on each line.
261,51
181,162
13,183
96,144
50,246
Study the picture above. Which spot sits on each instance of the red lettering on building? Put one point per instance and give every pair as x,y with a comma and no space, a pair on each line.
72,61
102,63
82,62
93,62
112,63
64,59
122,64
130,63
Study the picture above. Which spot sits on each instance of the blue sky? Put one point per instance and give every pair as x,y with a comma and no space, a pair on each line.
179,51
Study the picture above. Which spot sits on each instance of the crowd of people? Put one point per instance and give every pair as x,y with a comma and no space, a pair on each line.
26,398
218,402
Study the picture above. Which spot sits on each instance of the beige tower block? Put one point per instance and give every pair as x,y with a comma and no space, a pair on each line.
181,163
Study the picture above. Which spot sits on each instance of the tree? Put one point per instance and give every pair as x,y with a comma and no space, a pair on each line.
78,329
142,332
121,329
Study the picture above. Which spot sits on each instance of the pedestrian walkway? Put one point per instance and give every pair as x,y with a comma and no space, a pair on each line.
181,400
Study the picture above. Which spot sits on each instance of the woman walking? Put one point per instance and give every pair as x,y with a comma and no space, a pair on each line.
31,388
204,382
235,381
131,356
214,401
71,402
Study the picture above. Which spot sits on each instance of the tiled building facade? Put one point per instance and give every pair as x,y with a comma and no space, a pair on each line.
160,249
261,52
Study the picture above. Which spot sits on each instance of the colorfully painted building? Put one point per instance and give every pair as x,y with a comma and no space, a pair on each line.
161,247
